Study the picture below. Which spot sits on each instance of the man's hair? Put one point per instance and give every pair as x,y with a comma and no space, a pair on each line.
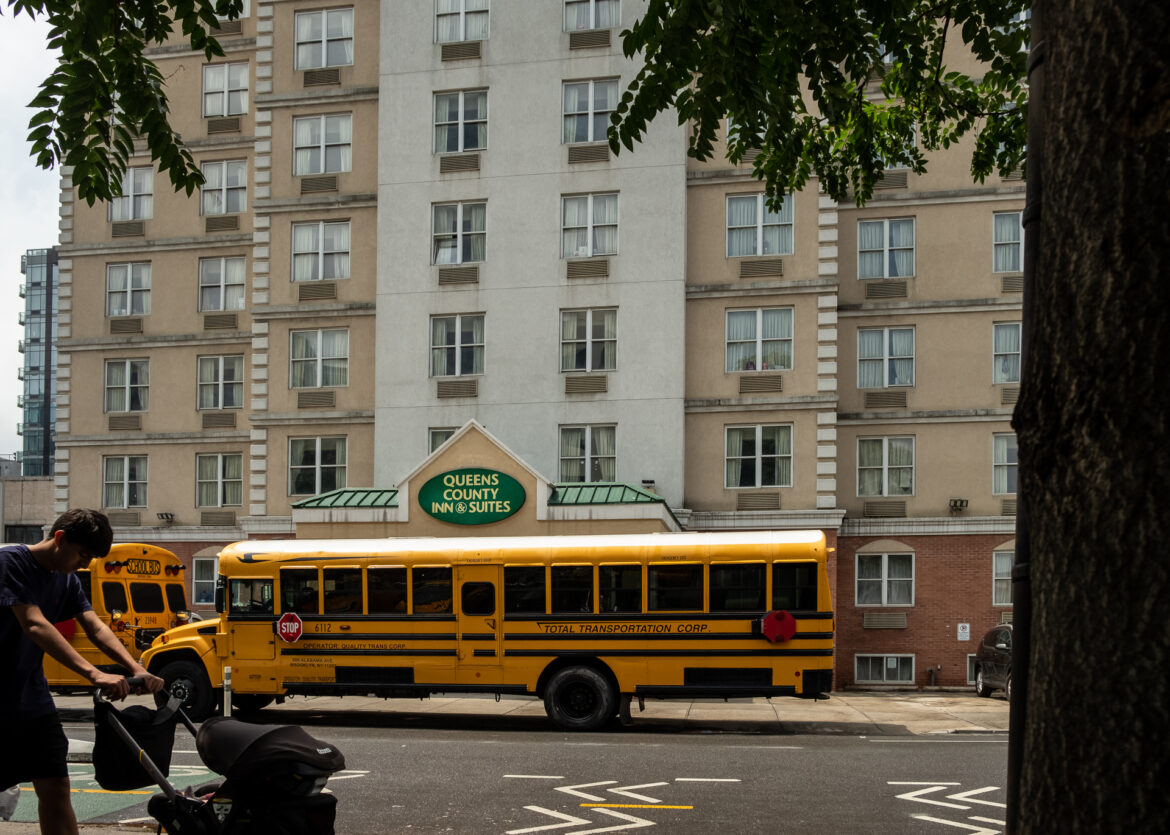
89,529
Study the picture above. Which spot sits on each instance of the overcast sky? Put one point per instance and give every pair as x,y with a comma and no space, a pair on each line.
28,197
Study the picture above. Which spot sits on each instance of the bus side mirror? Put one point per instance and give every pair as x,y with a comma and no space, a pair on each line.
220,586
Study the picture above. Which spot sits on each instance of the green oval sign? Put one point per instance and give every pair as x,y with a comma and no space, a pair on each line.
471,496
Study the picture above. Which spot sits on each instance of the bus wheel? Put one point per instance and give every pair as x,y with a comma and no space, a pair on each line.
579,699
250,702
188,681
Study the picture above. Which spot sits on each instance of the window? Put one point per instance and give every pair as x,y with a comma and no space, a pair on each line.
478,598
137,200
587,105
225,187
885,357
589,225
321,144
460,121
588,340
127,385
675,587
460,233
885,466
225,89
114,594
572,588
386,590
324,39
588,453
1005,456
884,669
431,590
591,14
759,456
456,345
759,339
620,588
128,289
203,580
1006,353
320,251
244,12
299,591
222,284
794,586
1001,577
319,358
736,587
754,229
885,248
315,465
1008,249
343,590
524,589
250,596
437,436
147,598
124,481
219,480
461,20
885,579
221,382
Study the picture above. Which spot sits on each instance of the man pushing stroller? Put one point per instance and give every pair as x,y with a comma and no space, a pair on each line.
38,588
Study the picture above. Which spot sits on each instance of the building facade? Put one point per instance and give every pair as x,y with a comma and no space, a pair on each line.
412,222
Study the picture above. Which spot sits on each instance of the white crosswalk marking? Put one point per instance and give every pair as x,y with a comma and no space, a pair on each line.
573,790
917,797
974,830
625,792
631,822
566,820
967,796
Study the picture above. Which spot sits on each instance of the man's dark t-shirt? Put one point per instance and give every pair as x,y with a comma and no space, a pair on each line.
24,693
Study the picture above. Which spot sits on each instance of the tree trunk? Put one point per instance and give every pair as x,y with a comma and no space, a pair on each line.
1092,426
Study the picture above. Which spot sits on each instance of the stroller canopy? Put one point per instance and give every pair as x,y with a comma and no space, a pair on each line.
238,750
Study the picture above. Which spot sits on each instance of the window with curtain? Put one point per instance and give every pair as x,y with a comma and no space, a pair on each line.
588,453
127,385
586,108
137,200
459,233
754,229
1005,460
885,579
203,580
225,89
225,187
221,382
128,289
460,121
1001,577
221,284
322,144
457,345
885,357
315,465
884,669
124,481
759,340
758,456
885,248
319,358
320,251
1008,246
1006,353
437,436
582,15
461,20
324,39
589,225
885,466
219,480
589,340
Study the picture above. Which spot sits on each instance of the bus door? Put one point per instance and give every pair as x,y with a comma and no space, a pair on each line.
251,619
479,612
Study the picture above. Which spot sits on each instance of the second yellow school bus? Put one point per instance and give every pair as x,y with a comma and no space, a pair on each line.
583,622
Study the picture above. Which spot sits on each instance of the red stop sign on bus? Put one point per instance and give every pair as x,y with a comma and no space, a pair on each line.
289,626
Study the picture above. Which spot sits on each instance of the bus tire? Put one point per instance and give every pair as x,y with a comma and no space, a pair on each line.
188,681
579,699
250,702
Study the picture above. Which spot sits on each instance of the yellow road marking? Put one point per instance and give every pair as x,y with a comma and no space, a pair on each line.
631,806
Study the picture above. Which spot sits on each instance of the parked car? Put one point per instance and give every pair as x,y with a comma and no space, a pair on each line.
993,662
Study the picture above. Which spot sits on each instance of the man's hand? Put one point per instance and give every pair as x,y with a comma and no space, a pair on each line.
113,687
150,683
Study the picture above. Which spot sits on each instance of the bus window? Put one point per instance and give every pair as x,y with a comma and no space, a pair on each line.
387,590
146,597
620,588
343,590
676,588
251,596
572,588
478,598
432,591
794,586
737,587
114,595
298,591
86,589
176,600
524,589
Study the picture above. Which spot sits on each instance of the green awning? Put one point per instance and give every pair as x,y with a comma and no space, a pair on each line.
601,492
350,497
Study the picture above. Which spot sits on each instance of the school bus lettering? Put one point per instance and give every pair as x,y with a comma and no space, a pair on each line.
147,567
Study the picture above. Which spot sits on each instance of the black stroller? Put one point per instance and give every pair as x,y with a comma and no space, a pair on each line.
273,774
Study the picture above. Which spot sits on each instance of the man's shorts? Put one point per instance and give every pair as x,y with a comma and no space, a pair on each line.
32,749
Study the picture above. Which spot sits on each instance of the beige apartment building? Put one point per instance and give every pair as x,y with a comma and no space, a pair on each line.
415,252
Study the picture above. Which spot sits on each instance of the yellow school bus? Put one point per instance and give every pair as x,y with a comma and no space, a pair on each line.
585,623
137,590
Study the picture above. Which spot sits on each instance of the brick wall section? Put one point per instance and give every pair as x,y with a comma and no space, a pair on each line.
952,585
